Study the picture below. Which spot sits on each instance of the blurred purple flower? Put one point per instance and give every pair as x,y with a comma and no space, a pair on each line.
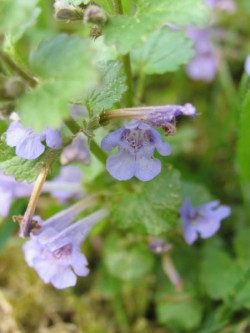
203,221
28,143
136,142
204,65
66,185
77,151
225,5
54,251
247,65
63,187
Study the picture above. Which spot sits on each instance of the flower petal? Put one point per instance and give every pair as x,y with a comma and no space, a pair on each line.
121,165
112,140
190,233
79,263
163,148
147,168
15,134
30,147
5,202
53,138
63,279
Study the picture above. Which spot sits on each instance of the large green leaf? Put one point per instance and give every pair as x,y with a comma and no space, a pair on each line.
17,16
126,32
65,67
110,91
153,205
164,51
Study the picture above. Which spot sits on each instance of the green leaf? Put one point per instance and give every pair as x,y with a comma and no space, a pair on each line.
164,51
17,16
21,169
125,32
242,244
198,193
125,261
66,70
219,273
111,89
152,205
182,312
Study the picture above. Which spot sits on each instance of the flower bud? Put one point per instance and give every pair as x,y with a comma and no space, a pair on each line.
65,11
95,14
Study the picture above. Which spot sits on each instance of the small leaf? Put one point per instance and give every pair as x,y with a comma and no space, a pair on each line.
153,205
110,91
65,66
219,273
21,169
126,32
184,312
164,51
125,261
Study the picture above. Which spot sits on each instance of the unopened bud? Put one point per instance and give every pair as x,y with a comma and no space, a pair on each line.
65,11
95,14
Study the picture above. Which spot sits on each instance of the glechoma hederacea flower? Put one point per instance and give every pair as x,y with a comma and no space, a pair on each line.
225,5
28,143
136,142
203,221
54,250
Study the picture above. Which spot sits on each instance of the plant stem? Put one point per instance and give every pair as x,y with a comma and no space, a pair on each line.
95,149
31,80
26,222
140,87
118,10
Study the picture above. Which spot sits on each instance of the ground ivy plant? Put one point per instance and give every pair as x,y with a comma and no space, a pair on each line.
99,125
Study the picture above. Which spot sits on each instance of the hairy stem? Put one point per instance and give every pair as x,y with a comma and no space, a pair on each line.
26,223
28,78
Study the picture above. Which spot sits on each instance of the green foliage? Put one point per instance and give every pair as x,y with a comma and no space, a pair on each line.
126,32
244,139
219,273
153,205
196,192
182,312
164,51
17,16
61,80
121,258
24,170
111,89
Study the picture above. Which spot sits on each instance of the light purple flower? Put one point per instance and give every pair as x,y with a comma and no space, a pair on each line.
247,65
136,142
204,65
66,185
29,143
203,221
77,151
54,251
225,5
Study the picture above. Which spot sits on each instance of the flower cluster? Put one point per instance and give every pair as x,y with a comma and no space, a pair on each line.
54,250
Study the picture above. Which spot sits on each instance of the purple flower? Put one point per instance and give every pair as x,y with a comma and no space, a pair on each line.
247,65
66,185
54,251
203,221
225,5
204,65
136,142
28,143
9,189
77,151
